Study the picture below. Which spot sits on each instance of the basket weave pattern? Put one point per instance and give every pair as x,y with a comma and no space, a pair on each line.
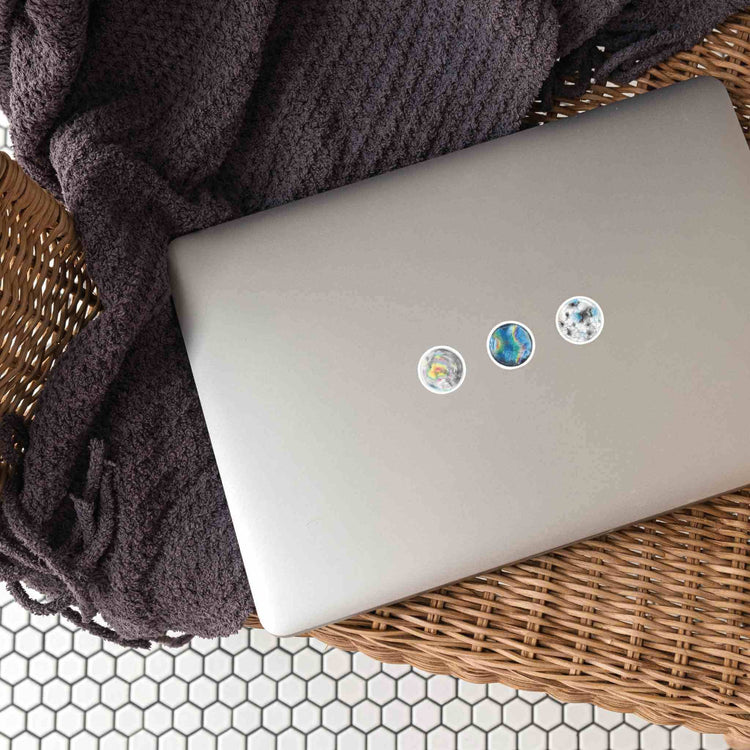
45,295
649,619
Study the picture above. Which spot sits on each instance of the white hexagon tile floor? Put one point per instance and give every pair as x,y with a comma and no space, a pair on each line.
62,689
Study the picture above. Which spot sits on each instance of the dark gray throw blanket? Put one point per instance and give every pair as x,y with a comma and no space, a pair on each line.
152,118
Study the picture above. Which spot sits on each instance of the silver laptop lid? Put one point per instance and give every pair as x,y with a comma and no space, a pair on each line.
350,483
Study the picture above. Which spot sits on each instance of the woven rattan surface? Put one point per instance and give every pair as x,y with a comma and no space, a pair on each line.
651,619
45,295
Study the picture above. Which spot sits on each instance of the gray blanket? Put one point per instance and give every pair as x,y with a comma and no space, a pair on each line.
153,118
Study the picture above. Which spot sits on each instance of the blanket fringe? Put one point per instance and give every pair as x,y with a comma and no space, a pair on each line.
66,572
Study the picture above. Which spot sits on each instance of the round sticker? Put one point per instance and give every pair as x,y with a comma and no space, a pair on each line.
579,320
441,369
510,345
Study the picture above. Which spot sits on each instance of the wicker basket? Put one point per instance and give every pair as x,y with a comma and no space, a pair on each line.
651,619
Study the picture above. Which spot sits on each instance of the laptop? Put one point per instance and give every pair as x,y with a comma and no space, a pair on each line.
456,365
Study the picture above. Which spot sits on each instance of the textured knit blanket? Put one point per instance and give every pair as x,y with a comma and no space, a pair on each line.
153,118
